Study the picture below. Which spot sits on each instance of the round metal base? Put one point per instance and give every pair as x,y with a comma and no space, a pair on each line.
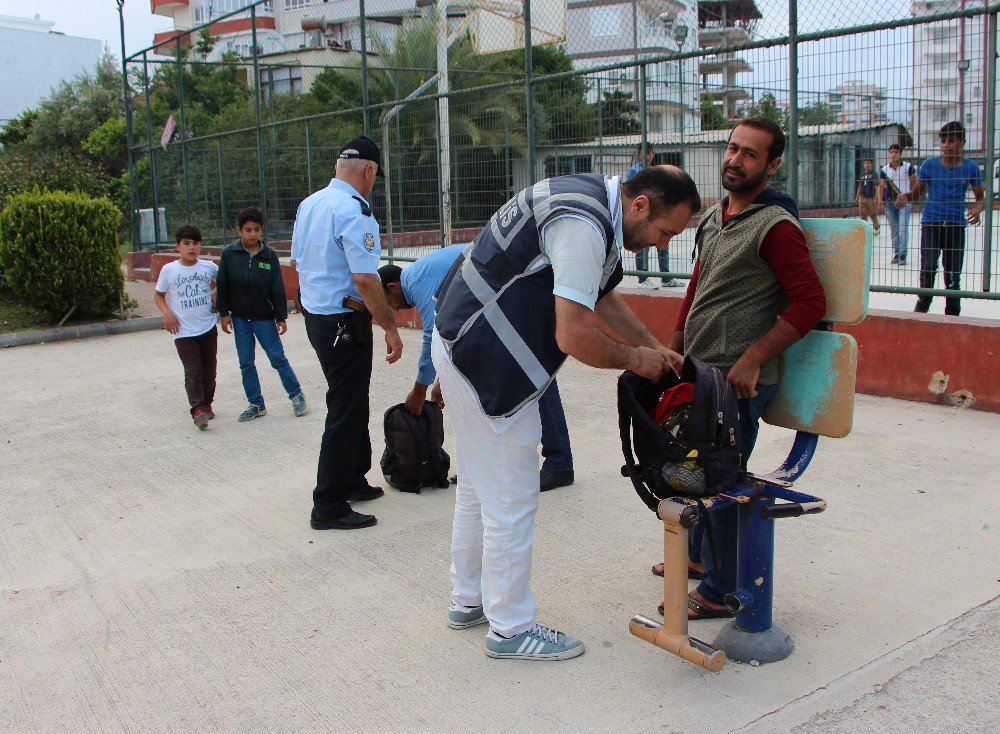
750,647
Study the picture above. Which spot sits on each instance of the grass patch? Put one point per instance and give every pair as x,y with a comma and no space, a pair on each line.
15,316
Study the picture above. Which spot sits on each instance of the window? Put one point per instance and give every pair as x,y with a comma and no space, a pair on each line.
296,4
280,80
941,114
199,14
561,165
605,21
221,7
670,158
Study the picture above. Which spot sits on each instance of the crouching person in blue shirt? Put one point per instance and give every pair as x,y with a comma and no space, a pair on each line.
415,287
514,305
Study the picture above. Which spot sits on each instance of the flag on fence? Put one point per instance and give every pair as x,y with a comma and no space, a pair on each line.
168,131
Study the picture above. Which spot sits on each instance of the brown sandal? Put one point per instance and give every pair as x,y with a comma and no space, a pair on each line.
693,573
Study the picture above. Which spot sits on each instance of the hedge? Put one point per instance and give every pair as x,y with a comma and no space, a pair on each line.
58,252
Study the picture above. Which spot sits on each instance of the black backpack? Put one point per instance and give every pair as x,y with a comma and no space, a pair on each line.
697,454
413,456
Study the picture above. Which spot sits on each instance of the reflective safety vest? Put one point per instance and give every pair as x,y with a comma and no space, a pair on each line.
495,308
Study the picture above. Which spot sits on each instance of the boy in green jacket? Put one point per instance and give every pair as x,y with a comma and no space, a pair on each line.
251,302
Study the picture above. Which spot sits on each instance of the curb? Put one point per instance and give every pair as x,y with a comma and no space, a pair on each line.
65,333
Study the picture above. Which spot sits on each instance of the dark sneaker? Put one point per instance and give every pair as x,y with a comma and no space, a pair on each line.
895,259
366,493
211,413
351,521
201,418
552,479
299,405
252,411
902,261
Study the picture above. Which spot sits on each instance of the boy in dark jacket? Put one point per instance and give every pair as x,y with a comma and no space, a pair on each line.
251,302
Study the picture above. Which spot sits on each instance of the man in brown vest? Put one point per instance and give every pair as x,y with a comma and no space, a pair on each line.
753,293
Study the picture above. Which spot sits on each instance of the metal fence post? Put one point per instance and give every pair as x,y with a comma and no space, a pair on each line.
222,185
600,127
309,160
643,110
151,152
793,98
261,183
991,126
184,155
133,194
529,107
364,68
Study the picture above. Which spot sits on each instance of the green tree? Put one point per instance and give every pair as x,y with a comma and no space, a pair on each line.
17,130
767,107
619,114
75,109
819,113
712,116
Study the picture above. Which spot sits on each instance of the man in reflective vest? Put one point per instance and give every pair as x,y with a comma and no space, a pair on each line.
512,307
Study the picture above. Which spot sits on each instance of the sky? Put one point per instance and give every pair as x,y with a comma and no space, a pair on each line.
94,19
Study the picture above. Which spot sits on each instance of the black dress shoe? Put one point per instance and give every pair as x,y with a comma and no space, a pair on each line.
552,479
366,492
351,521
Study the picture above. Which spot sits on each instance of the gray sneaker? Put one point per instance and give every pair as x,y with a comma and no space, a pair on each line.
460,617
252,411
299,405
538,643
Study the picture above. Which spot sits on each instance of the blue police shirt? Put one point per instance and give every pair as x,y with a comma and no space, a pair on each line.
632,171
946,189
420,281
335,237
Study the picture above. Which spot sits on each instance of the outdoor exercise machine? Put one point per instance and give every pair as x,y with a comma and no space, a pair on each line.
815,398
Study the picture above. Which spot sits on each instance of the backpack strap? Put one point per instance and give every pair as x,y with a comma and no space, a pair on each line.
626,404
431,414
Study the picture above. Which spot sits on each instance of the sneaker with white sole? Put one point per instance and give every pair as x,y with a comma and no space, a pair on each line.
460,617
252,411
538,643
650,284
299,406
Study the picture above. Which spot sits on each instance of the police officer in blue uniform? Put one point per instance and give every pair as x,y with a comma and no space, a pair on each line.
336,250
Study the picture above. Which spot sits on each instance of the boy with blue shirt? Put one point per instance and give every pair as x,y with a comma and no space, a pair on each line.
252,303
946,178
416,287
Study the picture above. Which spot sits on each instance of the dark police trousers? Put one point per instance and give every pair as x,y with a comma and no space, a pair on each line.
345,455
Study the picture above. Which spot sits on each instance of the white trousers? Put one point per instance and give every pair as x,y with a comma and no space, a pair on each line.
495,504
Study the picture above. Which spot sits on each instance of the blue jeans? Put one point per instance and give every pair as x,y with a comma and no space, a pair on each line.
267,334
720,577
556,452
662,257
899,227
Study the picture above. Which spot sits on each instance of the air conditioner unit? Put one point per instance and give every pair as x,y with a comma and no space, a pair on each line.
147,230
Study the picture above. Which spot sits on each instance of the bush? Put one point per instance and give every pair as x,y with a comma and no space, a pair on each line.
57,251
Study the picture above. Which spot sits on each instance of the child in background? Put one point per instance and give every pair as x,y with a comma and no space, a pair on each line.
251,301
184,297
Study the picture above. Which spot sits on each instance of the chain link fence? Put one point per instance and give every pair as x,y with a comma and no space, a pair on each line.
242,103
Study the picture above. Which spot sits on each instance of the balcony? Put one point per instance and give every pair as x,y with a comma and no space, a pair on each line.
719,35
727,94
718,65
167,7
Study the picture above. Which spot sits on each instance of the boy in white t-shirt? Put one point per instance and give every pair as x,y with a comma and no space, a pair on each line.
184,297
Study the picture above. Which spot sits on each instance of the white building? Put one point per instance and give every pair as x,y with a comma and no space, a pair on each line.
725,23
857,102
949,77
34,59
610,31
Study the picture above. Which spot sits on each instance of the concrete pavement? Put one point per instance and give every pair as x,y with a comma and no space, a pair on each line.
158,579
